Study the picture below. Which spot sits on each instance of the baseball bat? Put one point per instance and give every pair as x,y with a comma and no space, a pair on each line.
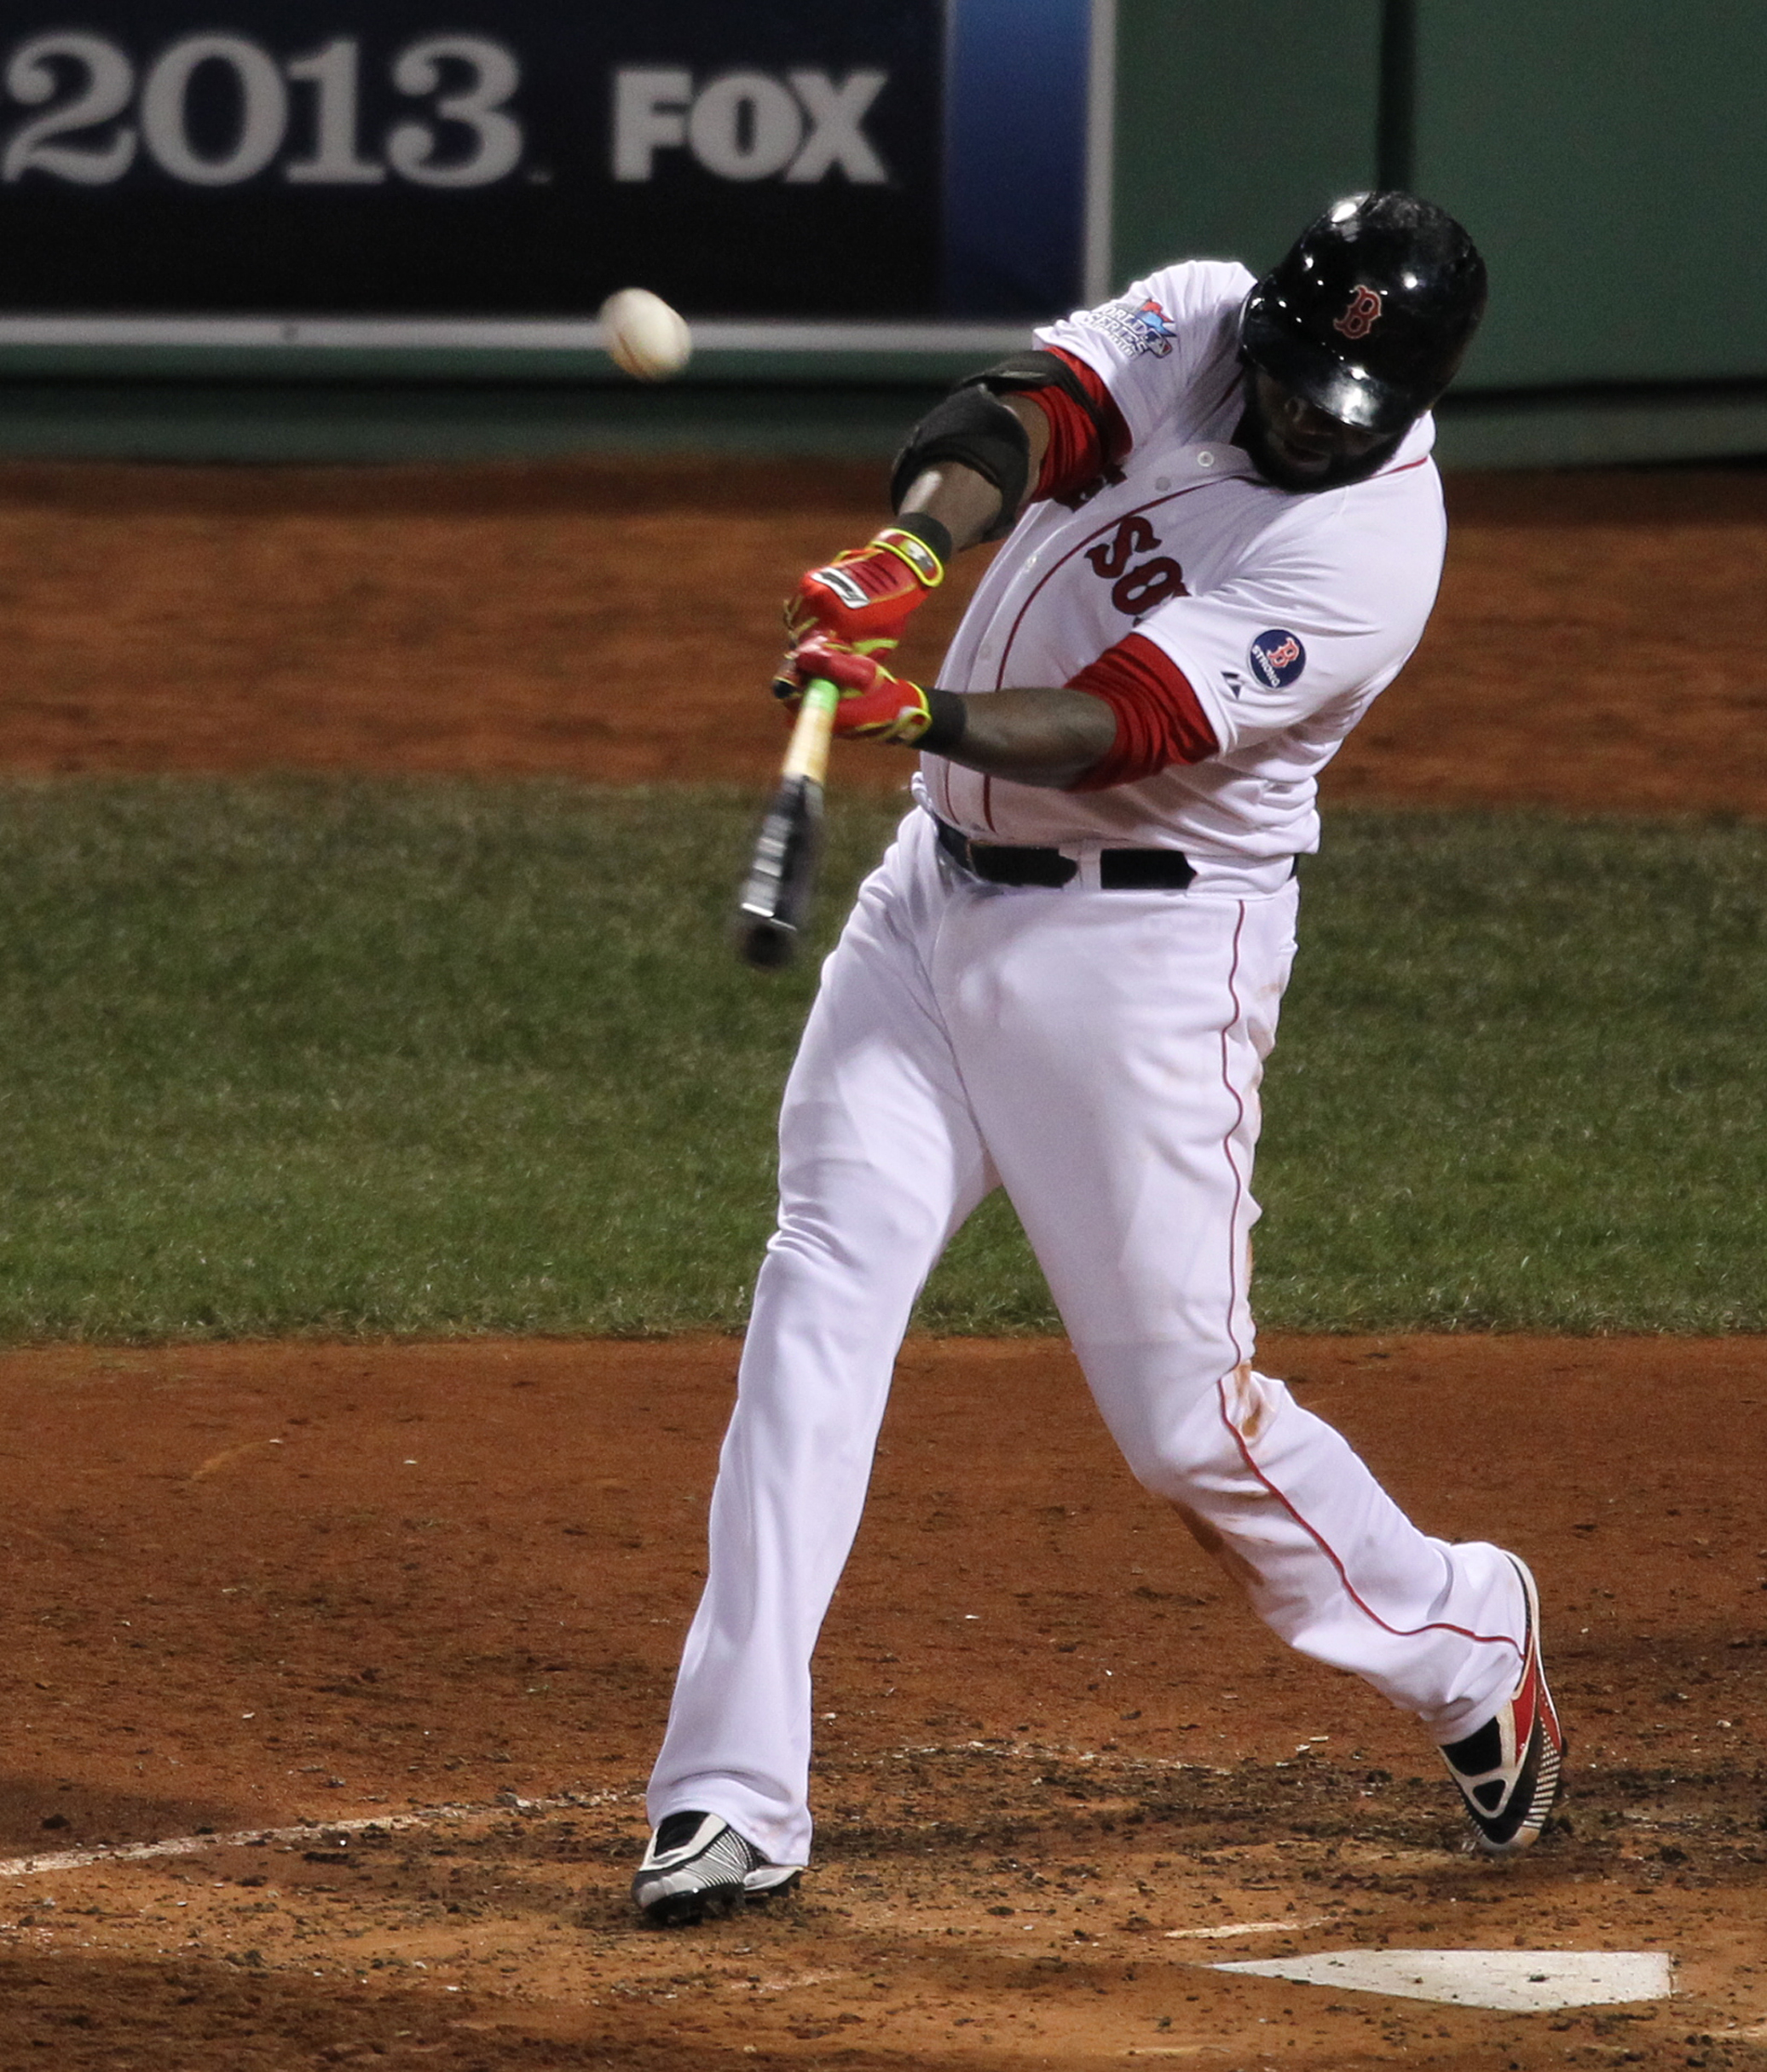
781,874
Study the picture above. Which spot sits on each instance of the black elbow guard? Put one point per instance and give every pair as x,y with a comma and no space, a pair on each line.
1038,369
972,427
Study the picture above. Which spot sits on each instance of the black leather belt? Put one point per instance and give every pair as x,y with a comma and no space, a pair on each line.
1119,870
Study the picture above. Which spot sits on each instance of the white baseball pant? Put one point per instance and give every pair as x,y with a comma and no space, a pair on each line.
1098,1054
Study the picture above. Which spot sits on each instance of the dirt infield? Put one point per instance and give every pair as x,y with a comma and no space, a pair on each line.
372,1644
257,1588
1598,643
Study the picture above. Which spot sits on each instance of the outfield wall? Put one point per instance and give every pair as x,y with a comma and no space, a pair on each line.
220,241
1607,159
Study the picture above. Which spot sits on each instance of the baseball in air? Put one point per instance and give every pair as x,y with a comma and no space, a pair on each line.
644,336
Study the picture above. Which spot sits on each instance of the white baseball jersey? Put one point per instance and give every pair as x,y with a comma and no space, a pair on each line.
1287,613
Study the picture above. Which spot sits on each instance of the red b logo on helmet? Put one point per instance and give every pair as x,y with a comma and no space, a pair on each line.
1360,318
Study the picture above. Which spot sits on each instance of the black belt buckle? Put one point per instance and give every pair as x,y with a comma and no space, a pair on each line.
1144,870
1001,865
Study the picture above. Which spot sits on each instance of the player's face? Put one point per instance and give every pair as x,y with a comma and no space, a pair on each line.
1297,445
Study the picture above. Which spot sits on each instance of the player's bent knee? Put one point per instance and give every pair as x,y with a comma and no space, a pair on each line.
1191,1437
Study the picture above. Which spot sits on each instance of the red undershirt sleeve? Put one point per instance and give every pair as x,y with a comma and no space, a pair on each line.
1159,720
1078,454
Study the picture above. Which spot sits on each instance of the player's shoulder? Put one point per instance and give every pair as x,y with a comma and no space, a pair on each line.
1405,494
1199,290
1175,307
1160,341
1377,546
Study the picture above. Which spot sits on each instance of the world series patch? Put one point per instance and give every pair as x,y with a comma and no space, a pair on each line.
1146,330
1277,658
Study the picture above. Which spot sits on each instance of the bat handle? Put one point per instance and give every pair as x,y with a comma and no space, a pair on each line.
806,753
782,876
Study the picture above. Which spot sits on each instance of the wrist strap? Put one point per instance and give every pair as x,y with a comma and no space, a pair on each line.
944,730
922,542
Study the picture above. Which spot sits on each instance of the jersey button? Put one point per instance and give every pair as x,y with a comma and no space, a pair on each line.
1205,457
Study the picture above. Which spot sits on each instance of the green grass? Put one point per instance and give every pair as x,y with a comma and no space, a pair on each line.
426,1058
378,1057
1520,1080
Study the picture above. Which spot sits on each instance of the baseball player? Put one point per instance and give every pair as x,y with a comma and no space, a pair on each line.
1224,535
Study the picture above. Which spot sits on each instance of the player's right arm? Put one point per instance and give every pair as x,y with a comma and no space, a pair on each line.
865,597
969,504
1042,423
1052,421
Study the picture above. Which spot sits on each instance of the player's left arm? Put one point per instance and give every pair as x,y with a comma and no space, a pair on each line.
1060,736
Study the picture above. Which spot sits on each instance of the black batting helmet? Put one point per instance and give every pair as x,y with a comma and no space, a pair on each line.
1371,311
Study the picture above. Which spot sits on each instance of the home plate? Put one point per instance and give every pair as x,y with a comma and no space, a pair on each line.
1519,1981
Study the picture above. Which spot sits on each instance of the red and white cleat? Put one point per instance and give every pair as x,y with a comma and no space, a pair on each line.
1509,1769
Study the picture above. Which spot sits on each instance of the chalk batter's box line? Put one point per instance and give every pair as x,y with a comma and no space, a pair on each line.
426,1816
304,1831
432,1816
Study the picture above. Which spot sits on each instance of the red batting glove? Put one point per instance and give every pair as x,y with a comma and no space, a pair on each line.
863,598
874,706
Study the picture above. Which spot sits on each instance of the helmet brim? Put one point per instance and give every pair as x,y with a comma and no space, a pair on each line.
1337,386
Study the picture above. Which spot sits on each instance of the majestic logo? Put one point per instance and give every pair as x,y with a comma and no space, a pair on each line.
1148,329
1277,658
1362,315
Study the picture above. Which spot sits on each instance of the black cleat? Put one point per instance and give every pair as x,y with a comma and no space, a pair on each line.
698,1866
1509,1769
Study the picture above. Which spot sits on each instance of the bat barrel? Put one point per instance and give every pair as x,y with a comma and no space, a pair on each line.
777,895
781,877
